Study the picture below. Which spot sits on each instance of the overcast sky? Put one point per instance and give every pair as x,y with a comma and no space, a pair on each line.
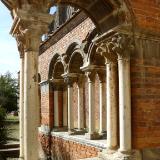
9,56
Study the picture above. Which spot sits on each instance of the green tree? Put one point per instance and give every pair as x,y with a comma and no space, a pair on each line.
3,129
8,92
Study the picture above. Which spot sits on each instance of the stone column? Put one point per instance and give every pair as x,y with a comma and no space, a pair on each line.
70,109
21,108
91,86
124,103
112,105
69,82
112,93
102,104
31,104
58,107
80,105
30,24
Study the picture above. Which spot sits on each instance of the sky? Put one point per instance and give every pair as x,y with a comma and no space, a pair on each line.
9,55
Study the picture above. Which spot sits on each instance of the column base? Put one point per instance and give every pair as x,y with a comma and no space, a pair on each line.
71,132
60,129
92,136
21,158
117,155
103,134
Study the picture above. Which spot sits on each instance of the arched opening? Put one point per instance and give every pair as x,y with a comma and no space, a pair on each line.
51,65
58,70
75,63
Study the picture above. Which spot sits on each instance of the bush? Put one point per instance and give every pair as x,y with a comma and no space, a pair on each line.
3,128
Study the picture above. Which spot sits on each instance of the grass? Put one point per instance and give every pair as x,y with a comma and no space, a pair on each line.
13,129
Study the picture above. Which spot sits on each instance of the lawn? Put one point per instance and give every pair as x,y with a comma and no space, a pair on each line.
13,129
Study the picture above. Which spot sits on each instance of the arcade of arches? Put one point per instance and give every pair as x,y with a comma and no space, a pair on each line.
90,89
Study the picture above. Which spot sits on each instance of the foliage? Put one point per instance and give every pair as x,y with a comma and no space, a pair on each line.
3,129
8,92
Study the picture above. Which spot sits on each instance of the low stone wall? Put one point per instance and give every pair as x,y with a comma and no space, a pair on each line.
64,147
69,150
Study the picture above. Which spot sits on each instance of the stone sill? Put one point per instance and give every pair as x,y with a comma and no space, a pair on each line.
100,144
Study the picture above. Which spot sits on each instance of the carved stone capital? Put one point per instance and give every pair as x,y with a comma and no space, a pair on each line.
30,26
91,76
101,76
80,80
116,46
57,84
123,45
20,44
106,50
69,79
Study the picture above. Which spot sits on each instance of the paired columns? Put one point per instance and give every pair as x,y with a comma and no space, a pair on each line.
91,72
117,47
58,102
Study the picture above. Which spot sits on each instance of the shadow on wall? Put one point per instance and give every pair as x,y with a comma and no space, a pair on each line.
151,154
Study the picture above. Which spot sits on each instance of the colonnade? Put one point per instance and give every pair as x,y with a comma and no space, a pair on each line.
117,74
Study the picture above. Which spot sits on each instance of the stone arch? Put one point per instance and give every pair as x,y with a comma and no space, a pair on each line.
111,13
51,65
58,70
71,48
94,58
75,62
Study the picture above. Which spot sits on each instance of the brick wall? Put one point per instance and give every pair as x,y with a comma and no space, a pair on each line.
70,150
145,83
147,14
47,102
77,34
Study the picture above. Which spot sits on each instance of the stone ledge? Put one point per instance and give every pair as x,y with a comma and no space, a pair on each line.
116,155
80,139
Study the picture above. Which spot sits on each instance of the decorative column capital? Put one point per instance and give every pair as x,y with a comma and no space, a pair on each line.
117,46
80,80
106,49
123,45
91,76
69,79
57,84
101,76
29,26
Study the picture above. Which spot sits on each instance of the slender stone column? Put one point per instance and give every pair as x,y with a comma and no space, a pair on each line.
105,49
70,109
58,108
21,108
91,86
112,105
31,105
102,102
80,105
124,103
56,115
